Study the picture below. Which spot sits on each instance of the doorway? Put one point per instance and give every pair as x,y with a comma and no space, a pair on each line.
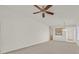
67,33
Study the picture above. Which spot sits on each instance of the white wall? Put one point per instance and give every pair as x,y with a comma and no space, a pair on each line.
0,36
19,30
17,16
77,35
71,34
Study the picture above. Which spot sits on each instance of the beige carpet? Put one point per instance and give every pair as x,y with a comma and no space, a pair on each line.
51,47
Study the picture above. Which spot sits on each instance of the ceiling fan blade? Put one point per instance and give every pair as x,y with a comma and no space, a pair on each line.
38,7
43,15
47,7
36,12
49,12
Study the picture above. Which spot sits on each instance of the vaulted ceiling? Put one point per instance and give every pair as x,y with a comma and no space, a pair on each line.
62,13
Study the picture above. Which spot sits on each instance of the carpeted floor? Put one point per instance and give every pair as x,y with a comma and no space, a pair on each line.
50,47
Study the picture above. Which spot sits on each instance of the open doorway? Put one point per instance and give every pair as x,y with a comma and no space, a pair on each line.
67,33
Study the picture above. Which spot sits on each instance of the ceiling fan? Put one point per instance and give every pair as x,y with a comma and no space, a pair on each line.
43,9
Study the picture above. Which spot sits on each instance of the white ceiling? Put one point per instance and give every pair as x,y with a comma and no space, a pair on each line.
68,14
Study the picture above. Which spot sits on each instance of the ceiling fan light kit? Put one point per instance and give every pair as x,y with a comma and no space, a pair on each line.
43,10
